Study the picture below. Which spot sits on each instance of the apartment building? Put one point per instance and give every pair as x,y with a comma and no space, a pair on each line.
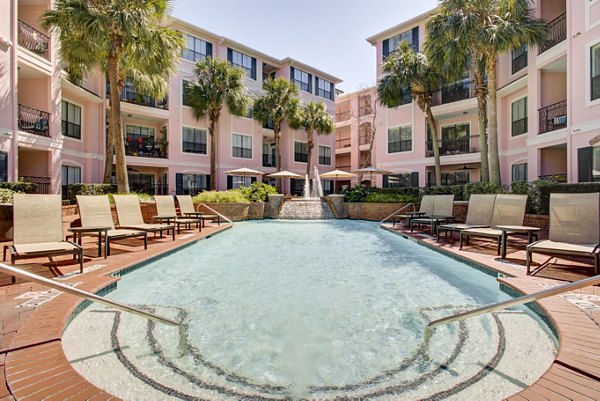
53,132
548,108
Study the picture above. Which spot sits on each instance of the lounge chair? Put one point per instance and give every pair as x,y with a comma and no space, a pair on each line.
425,209
95,212
165,207
38,229
443,210
574,228
130,216
509,209
479,215
186,207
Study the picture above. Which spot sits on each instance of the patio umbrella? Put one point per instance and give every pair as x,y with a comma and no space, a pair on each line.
372,170
335,174
244,172
284,174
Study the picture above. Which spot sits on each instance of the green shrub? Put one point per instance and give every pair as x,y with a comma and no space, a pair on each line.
258,191
231,196
6,196
143,197
89,189
21,187
542,192
456,190
357,193
379,197
480,188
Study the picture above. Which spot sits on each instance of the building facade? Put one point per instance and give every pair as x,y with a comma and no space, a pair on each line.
548,108
53,132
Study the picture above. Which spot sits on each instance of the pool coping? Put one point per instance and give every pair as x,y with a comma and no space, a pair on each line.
36,351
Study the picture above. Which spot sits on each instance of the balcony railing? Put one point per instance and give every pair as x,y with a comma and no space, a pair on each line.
343,143
454,92
455,146
42,183
142,147
129,95
33,40
557,32
268,160
33,121
553,117
559,178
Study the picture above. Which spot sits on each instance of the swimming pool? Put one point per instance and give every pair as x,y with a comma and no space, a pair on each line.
308,310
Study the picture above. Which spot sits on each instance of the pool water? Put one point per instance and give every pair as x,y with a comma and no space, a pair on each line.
308,310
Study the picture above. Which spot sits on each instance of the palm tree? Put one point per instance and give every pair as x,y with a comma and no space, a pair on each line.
492,27
313,118
123,39
216,84
407,70
278,103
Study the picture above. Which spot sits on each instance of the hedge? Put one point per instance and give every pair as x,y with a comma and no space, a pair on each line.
89,189
543,192
21,186
6,196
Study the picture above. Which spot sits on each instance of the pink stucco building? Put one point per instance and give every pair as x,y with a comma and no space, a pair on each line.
52,131
548,108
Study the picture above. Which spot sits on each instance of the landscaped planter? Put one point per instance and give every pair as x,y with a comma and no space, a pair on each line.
373,211
256,211
233,211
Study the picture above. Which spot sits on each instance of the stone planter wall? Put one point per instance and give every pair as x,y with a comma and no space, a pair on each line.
233,211
256,211
372,211
273,206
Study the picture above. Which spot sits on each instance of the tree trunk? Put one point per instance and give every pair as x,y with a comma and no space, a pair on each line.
436,148
481,92
213,150
115,115
277,130
110,148
309,146
493,122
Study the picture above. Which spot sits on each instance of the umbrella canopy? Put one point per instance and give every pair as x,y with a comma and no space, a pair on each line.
335,174
284,174
372,170
244,172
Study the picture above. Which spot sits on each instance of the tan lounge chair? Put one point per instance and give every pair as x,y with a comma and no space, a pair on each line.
574,228
443,210
479,215
38,229
425,209
165,207
130,216
186,207
509,209
95,212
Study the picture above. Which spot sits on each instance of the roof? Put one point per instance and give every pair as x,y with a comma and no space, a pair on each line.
402,26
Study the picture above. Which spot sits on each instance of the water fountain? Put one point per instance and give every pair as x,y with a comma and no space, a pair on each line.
310,206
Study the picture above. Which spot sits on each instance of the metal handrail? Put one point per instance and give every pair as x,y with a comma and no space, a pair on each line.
512,302
13,271
398,211
215,212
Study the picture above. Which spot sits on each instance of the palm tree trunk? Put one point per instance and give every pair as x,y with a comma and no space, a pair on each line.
493,121
436,148
309,146
213,150
277,130
110,148
115,115
481,92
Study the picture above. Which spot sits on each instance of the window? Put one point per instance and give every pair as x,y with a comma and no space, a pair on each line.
185,90
595,84
324,88
455,139
71,120
325,155
237,181
70,175
327,186
3,166
401,180
195,49
301,152
519,172
519,59
242,146
450,178
400,139
240,60
141,182
303,80
519,117
194,140
135,133
190,184
391,44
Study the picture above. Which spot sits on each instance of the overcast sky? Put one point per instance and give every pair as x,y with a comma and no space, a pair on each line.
327,34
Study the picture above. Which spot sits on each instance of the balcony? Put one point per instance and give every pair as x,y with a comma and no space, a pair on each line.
145,147
343,143
343,116
455,146
557,32
455,92
553,117
268,160
33,121
129,95
33,40
269,124
363,139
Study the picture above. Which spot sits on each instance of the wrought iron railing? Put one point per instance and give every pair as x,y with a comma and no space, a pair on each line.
553,117
42,183
557,32
268,160
142,147
33,121
129,95
33,40
454,92
455,146
559,178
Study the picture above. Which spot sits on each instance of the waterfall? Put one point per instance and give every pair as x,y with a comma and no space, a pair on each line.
306,192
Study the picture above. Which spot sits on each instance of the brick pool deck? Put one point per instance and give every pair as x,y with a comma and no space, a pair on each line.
33,365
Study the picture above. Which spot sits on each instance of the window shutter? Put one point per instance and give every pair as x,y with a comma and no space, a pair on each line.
310,81
386,48
253,72
229,182
292,74
331,91
386,181
179,184
230,55
584,162
208,49
415,35
414,179
316,85
206,182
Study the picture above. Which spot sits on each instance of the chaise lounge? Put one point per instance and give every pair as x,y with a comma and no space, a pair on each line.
443,210
479,215
425,209
186,207
165,207
130,216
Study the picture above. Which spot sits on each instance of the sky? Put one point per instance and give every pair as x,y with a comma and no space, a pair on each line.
326,34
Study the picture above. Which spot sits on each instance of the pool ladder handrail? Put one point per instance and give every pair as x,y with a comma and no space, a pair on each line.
414,209
217,213
13,271
594,280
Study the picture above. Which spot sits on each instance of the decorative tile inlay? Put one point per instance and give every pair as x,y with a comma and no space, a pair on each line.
37,298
